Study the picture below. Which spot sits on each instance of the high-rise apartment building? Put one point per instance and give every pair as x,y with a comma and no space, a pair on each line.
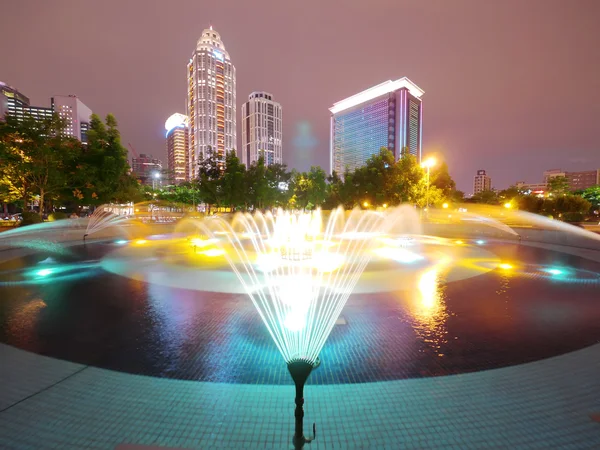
178,141
211,100
147,170
75,113
387,115
481,182
262,130
67,107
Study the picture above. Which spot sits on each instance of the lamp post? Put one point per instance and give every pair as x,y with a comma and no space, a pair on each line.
155,178
428,164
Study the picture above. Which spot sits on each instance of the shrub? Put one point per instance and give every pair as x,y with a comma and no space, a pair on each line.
30,218
57,215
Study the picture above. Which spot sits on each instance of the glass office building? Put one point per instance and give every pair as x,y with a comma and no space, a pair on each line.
387,115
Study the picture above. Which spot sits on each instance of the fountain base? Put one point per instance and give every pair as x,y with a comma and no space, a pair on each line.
300,371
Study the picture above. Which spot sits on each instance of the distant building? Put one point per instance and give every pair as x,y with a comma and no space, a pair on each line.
178,141
481,182
552,173
17,104
576,180
579,181
388,115
147,170
75,113
531,188
211,100
67,107
262,130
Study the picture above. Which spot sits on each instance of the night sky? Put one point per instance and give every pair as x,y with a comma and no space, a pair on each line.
512,87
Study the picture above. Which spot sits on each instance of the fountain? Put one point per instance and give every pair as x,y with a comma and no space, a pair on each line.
299,277
102,218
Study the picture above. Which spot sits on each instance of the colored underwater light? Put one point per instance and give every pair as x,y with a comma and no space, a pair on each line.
480,242
553,271
459,242
212,252
121,242
505,266
44,272
141,241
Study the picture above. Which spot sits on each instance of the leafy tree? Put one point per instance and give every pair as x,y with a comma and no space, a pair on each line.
487,197
558,185
592,195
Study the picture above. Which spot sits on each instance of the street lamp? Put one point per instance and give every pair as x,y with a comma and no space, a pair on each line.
428,164
155,178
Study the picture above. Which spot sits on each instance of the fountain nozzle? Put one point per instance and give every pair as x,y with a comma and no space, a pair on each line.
300,370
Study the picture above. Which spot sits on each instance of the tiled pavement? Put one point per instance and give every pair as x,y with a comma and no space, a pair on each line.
48,403
546,404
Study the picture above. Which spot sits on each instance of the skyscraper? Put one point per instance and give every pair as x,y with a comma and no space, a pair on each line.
211,100
178,141
75,113
387,115
261,129
481,182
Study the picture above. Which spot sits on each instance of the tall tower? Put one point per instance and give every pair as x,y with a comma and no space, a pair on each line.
211,100
261,130
178,142
388,115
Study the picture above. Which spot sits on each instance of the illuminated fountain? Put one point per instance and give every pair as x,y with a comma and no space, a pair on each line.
103,218
299,277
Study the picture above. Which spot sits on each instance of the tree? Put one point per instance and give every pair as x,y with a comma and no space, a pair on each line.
592,195
100,174
558,185
209,174
35,155
487,197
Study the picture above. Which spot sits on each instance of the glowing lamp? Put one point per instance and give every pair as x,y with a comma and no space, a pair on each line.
507,205
428,163
121,242
141,241
445,206
480,242
505,266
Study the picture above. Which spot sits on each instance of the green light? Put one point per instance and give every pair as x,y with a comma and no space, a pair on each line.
44,272
553,271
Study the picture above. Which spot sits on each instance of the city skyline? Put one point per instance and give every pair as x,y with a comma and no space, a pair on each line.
487,98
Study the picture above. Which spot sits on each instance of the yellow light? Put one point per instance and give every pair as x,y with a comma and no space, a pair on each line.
507,205
505,266
366,204
429,162
212,252
385,205
445,206
141,241
459,242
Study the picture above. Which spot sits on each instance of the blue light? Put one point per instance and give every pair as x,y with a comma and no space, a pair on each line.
121,242
553,271
480,242
44,272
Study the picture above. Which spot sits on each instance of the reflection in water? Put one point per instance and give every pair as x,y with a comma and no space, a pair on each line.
22,322
428,308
